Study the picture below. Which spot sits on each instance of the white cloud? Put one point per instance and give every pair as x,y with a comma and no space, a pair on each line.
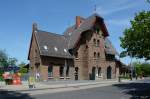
119,22
113,8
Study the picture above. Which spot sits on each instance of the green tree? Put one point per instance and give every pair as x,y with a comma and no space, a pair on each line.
3,58
12,61
136,39
23,70
142,68
145,67
138,68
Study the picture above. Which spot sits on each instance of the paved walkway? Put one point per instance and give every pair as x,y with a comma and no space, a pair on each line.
57,84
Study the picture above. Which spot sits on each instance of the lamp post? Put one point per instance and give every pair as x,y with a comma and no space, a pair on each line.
131,67
66,50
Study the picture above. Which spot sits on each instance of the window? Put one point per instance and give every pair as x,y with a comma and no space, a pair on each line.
97,31
98,43
61,71
94,42
99,72
94,54
67,71
98,55
50,71
76,55
35,50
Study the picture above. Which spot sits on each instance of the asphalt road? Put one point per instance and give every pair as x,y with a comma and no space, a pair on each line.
139,90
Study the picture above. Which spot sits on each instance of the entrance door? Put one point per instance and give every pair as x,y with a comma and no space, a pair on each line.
109,72
93,73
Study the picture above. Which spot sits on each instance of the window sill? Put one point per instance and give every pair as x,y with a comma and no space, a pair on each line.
99,76
67,77
77,58
61,77
50,77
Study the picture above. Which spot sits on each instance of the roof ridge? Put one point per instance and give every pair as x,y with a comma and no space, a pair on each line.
51,33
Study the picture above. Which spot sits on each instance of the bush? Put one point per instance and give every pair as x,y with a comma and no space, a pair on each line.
1,78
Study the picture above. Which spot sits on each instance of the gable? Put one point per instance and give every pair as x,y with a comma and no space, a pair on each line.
87,24
33,47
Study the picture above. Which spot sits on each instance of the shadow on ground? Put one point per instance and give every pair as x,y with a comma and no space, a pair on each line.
14,95
136,90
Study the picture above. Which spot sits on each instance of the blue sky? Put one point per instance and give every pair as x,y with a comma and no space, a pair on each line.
17,16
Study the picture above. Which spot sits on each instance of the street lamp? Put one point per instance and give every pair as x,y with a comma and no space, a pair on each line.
66,50
131,67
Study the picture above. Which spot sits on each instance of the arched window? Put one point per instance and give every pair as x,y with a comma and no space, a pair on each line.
98,43
98,55
94,54
50,71
61,71
109,72
67,71
76,55
94,42
99,72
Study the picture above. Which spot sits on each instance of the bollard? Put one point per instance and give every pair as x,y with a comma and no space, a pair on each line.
119,79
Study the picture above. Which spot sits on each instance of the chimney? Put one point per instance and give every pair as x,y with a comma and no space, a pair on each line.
78,21
34,26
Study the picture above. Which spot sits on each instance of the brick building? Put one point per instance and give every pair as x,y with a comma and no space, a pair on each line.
83,52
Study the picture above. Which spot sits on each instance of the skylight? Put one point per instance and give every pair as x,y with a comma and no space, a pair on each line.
55,48
65,50
45,47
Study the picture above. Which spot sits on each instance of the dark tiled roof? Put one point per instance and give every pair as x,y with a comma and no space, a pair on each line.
109,49
61,42
51,44
85,25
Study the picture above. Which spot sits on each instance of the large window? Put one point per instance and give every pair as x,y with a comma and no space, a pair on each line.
50,71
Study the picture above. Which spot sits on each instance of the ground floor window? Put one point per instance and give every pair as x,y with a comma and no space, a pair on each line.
61,71
99,72
109,72
50,71
67,71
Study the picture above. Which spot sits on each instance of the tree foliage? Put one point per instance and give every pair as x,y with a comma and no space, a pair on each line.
136,39
3,58
142,68
22,69
12,61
